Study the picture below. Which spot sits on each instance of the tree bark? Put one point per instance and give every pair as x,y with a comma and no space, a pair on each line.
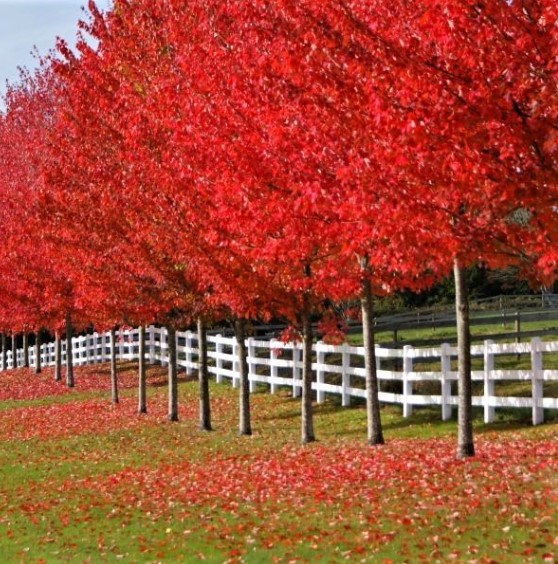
113,369
373,418
307,415
25,350
4,352
69,353
14,351
38,367
142,386
203,377
244,424
57,357
465,445
173,375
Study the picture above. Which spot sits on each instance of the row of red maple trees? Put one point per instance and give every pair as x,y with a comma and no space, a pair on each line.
206,160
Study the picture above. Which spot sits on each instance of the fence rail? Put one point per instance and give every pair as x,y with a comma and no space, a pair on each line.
410,376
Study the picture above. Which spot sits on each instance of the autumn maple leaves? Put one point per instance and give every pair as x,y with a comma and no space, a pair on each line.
241,160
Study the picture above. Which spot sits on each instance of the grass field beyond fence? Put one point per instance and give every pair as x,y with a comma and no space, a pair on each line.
84,480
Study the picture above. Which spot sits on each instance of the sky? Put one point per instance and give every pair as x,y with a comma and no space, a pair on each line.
25,24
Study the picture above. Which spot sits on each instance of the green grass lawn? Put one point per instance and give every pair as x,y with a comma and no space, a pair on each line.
407,336
83,480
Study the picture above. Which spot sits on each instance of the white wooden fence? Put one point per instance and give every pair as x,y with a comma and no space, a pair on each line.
340,369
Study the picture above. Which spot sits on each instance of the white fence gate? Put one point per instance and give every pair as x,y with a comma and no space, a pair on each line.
339,369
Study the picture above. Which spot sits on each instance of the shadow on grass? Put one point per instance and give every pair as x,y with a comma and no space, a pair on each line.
427,422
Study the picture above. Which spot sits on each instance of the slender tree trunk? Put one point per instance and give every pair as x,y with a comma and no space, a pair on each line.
307,419
374,422
57,357
25,350
113,369
69,353
244,424
203,377
173,375
14,351
465,445
142,387
38,367
4,353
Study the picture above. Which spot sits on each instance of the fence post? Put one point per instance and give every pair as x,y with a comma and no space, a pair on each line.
189,347
251,364
85,345
218,359
120,340
488,382
102,343
296,370
132,344
132,356
345,376
407,384
320,373
537,381
163,346
79,350
236,367
445,359
107,345
87,349
95,346
274,369
151,345
75,351
101,346
127,345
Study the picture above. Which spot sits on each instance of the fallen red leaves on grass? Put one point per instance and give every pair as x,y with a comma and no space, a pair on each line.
410,497
408,485
24,384
425,469
76,418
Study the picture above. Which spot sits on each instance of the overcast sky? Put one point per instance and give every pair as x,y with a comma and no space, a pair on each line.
25,24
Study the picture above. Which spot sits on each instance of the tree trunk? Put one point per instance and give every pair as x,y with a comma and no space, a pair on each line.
69,353
4,353
244,424
203,377
465,446
374,421
25,350
113,370
14,351
173,375
142,391
57,357
38,367
307,416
